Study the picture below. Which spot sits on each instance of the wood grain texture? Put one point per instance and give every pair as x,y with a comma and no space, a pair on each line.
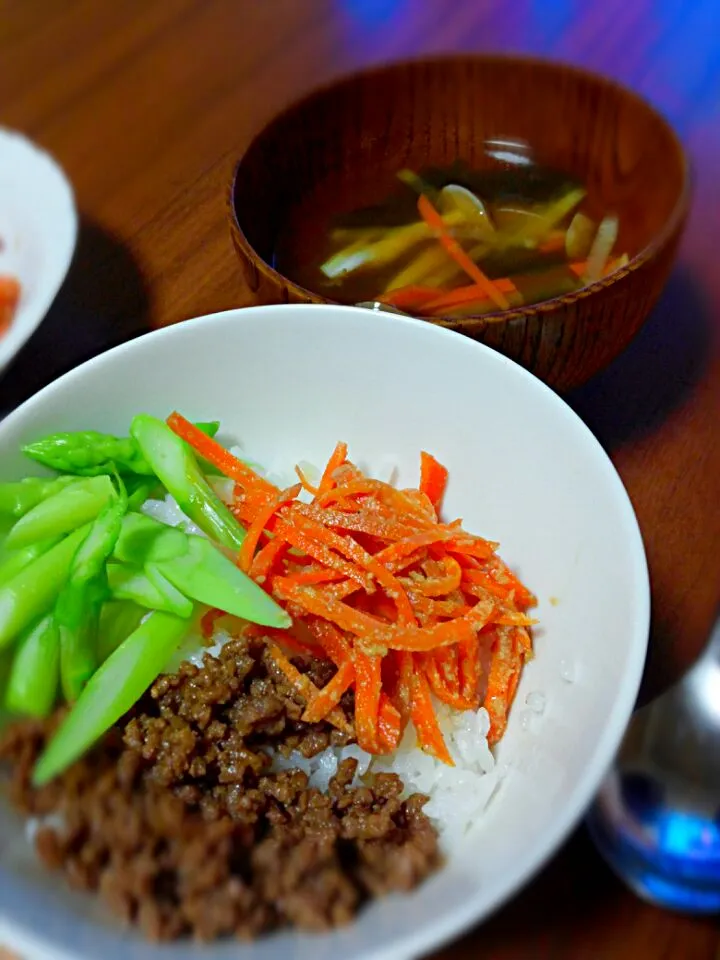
336,149
148,104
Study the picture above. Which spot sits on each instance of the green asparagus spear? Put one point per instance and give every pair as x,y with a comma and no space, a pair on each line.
144,540
177,468
33,681
118,619
139,489
19,497
89,453
32,591
175,601
13,561
78,608
128,582
71,508
112,690
89,562
206,575
6,660
77,614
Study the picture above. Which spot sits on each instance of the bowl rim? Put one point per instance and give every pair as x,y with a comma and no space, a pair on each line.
672,226
423,938
27,320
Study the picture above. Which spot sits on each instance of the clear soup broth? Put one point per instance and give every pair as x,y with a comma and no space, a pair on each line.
453,241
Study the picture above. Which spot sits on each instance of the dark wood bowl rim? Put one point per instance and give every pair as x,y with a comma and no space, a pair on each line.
672,225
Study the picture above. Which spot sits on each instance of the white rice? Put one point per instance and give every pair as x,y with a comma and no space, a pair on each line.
458,795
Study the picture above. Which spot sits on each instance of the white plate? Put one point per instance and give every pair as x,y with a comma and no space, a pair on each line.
289,381
38,230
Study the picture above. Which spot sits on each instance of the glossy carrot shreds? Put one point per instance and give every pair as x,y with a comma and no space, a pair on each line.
410,609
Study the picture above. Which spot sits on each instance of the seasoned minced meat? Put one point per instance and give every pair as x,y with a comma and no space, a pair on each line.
177,822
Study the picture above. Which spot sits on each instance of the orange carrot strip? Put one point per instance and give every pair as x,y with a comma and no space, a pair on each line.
424,720
502,574
404,663
207,622
9,290
422,640
219,457
380,524
337,459
256,528
376,633
472,547
320,706
315,575
502,681
324,605
461,296
284,638
391,495
332,641
511,618
408,298
441,586
320,551
525,641
435,222
553,243
305,687
484,580
9,297
469,664
451,607
354,551
265,558
390,724
449,666
435,679
347,587
368,683
580,268
304,480
433,479
397,551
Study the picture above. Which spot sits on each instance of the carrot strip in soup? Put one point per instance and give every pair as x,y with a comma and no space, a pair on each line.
409,298
433,219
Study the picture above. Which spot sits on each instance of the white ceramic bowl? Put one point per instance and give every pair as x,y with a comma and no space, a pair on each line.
38,230
289,381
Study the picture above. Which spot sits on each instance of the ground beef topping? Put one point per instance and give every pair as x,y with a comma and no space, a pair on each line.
180,824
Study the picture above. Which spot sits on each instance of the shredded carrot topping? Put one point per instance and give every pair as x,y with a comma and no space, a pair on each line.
411,610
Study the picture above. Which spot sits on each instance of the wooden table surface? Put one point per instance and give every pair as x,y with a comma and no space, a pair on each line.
148,104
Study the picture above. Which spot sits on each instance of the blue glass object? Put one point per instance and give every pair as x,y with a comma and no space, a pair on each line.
665,851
